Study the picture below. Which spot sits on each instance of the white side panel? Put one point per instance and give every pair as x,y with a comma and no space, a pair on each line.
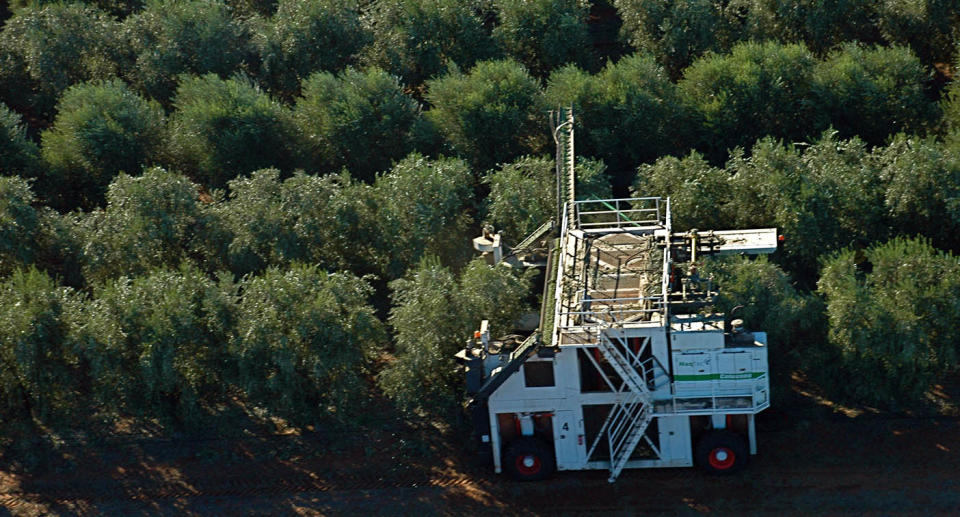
675,443
567,440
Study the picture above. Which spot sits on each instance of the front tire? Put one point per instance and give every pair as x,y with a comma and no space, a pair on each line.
529,459
721,452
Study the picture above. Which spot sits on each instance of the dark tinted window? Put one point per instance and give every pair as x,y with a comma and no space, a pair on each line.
538,374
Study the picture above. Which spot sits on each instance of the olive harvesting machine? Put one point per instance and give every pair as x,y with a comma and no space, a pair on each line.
627,367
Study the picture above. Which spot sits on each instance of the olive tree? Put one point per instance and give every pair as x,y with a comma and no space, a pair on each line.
432,315
758,89
821,25
627,114
697,190
101,129
18,154
326,220
419,40
173,37
302,342
770,302
951,110
490,115
156,344
38,369
523,193
224,128
150,221
307,36
873,92
929,27
921,178
545,34
422,209
47,47
19,224
893,315
823,197
675,31
362,121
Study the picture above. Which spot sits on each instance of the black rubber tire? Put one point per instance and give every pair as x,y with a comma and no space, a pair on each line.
529,459
721,452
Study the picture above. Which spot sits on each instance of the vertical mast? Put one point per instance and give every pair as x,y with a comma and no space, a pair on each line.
562,121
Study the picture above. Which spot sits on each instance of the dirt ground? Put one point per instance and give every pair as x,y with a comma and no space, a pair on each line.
810,461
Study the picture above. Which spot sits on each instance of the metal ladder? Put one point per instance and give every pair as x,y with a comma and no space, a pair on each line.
628,420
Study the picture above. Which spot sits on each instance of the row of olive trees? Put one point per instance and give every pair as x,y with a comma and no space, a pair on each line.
161,219
219,129
678,32
632,113
363,121
822,196
45,47
52,45
172,343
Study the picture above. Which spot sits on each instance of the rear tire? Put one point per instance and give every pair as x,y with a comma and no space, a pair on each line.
529,459
721,452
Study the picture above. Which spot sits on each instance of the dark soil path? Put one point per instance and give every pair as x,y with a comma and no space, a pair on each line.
830,465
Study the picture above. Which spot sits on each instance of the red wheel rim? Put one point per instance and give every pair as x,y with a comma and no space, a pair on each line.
528,464
722,458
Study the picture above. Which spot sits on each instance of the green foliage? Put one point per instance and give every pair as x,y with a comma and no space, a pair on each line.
32,235
893,330
156,344
950,106
306,36
419,207
628,114
359,120
59,246
771,303
19,224
323,220
698,191
675,31
18,154
929,27
303,337
45,48
173,37
432,315
101,129
756,90
821,25
523,194
873,92
422,209
545,34
224,128
119,8
823,198
38,371
491,115
252,8
420,39
150,221
922,180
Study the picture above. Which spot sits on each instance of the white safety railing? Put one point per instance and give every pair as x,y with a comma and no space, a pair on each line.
752,396
619,214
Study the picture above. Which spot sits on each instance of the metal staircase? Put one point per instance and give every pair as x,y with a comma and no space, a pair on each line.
627,422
